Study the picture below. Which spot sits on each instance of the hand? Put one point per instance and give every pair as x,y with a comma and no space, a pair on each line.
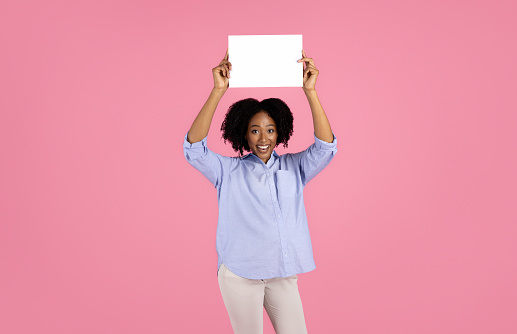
310,73
221,73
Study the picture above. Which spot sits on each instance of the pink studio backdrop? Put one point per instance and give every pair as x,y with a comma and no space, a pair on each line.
105,228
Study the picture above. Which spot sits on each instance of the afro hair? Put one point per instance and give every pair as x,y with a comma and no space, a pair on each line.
238,116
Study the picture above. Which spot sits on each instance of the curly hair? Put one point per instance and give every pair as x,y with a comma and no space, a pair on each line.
238,116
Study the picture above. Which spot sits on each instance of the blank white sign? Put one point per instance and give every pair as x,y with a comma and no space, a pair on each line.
265,60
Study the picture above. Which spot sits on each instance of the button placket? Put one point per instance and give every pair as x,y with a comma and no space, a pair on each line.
278,213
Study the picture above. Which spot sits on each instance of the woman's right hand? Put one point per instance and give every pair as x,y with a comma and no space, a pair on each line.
221,73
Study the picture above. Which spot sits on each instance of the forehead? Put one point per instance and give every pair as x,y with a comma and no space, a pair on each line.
262,119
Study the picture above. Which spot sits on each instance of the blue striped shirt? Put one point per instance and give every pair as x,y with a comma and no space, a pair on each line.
262,229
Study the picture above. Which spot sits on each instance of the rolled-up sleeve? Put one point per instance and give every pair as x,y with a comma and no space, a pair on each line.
209,163
316,157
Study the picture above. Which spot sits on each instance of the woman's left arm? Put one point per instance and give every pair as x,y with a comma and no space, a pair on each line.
321,123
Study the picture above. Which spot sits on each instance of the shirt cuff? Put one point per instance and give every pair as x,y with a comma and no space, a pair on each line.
194,150
325,146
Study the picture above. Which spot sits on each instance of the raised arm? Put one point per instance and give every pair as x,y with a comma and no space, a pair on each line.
201,124
322,128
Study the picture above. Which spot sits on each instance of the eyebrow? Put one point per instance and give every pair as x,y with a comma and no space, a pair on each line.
259,125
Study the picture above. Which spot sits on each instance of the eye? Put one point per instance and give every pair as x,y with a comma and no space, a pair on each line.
254,131
271,130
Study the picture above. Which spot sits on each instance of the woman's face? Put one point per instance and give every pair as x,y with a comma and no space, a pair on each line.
262,135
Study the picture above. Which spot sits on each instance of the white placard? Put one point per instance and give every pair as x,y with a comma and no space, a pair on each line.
265,60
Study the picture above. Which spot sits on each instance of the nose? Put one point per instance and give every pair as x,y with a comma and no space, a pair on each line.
262,137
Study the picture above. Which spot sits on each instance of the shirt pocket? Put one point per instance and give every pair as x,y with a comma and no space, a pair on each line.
287,184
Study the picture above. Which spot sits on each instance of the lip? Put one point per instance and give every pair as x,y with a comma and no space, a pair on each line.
263,150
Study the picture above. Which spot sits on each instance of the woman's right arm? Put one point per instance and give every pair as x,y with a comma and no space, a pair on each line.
201,124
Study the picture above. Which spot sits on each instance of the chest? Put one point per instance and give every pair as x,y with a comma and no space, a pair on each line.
262,183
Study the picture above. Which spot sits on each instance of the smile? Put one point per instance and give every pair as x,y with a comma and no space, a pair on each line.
263,148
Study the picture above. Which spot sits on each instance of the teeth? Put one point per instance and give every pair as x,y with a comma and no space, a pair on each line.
263,147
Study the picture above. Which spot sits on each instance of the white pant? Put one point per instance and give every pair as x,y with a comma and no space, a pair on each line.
244,299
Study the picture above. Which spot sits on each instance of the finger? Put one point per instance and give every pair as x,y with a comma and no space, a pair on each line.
227,63
226,56
307,60
305,64
311,66
227,71
303,55
311,71
222,70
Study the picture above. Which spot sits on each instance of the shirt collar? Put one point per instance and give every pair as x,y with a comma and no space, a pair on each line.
274,155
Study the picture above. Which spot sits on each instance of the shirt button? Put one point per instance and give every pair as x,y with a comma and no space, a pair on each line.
278,216
285,254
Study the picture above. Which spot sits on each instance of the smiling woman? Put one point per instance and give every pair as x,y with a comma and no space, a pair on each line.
263,239
250,124
262,135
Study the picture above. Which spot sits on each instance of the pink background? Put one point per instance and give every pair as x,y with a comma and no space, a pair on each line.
105,228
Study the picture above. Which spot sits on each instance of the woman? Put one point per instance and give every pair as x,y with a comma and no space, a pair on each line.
263,239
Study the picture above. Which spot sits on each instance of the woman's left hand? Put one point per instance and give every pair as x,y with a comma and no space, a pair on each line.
310,73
